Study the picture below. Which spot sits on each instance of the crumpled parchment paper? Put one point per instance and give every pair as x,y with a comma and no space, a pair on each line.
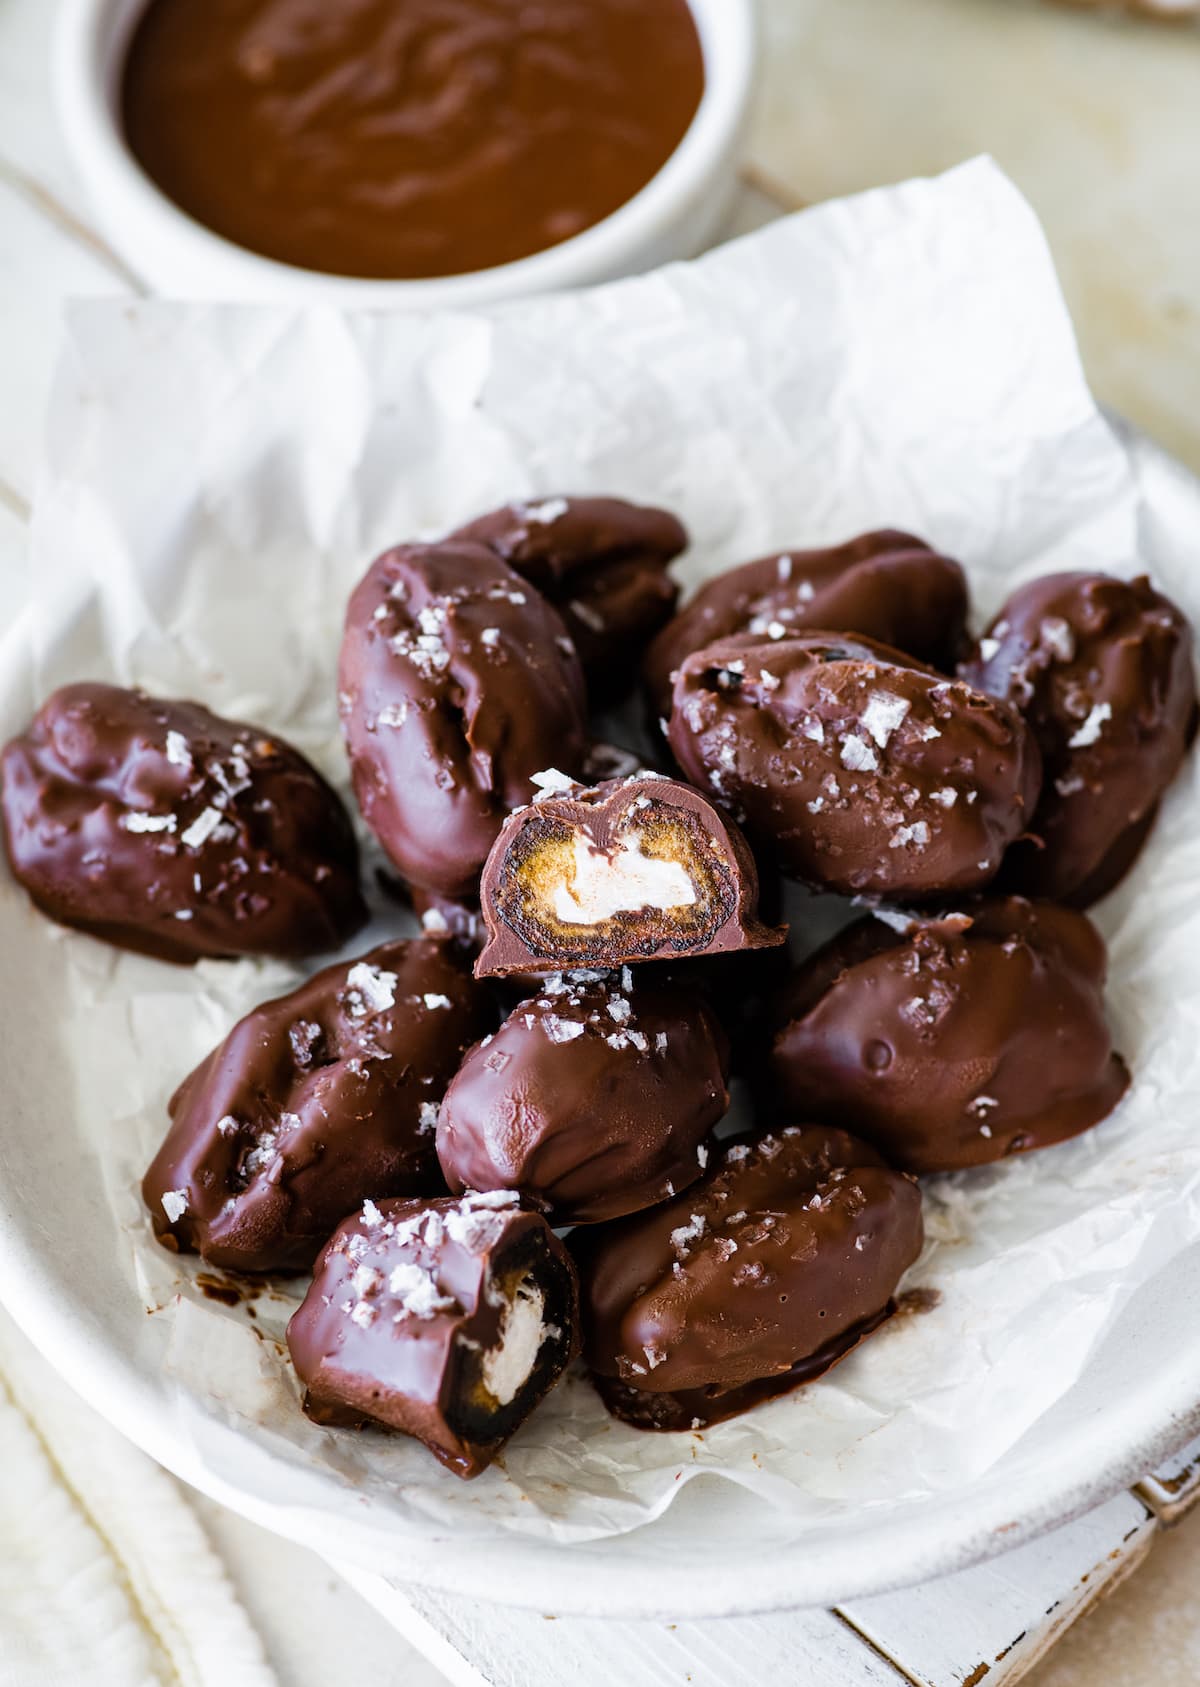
217,480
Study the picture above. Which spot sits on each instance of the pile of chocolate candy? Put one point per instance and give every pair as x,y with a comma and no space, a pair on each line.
601,950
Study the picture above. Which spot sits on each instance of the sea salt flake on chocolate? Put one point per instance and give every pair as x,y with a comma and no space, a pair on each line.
684,1234
551,783
175,1204
982,1105
917,834
393,714
858,755
363,1314
547,512
1092,727
136,821
201,829
427,1117
815,730
418,1293
434,999
371,1215
1058,638
178,751
490,637
946,797
654,1356
619,1009
883,714
368,990
562,1030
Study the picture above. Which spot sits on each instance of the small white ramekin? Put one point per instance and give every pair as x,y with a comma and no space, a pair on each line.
674,216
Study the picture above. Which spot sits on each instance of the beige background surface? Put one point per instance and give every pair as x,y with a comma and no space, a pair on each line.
1098,120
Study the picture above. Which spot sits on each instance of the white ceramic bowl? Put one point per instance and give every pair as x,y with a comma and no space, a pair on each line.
674,216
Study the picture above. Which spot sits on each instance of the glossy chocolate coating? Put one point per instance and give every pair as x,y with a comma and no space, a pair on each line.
1102,671
864,772
885,586
783,1253
408,1301
966,1040
603,564
313,1102
162,828
538,871
593,1099
458,684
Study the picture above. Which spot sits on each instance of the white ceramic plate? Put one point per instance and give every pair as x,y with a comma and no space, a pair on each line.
215,481
716,1551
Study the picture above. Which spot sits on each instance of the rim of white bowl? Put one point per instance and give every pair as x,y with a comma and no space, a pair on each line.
90,44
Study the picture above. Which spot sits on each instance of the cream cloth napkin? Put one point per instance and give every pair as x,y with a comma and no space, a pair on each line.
106,1578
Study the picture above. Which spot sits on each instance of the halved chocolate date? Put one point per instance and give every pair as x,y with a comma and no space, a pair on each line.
762,1275
312,1102
458,683
446,1320
1102,670
593,1099
634,869
956,1042
886,586
603,563
863,771
163,828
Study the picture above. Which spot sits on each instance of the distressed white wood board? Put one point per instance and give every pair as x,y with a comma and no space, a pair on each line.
1173,1489
995,1620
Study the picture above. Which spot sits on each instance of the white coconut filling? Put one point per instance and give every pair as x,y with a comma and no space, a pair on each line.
507,1367
601,885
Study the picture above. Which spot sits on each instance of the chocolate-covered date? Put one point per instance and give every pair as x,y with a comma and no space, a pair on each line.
957,1043
593,1099
762,1275
602,562
163,828
458,683
312,1102
886,586
863,771
1102,671
635,869
445,1320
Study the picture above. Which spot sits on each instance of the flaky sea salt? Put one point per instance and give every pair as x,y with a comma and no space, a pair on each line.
883,714
201,828
858,755
369,990
136,821
178,751
1092,727
417,1291
175,1204
433,999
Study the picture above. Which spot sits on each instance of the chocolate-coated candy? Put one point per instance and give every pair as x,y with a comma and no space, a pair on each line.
635,869
886,586
759,1277
863,771
313,1102
446,1320
162,828
1102,671
956,1043
603,564
593,1099
458,683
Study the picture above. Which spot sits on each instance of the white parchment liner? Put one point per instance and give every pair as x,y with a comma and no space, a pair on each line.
217,480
